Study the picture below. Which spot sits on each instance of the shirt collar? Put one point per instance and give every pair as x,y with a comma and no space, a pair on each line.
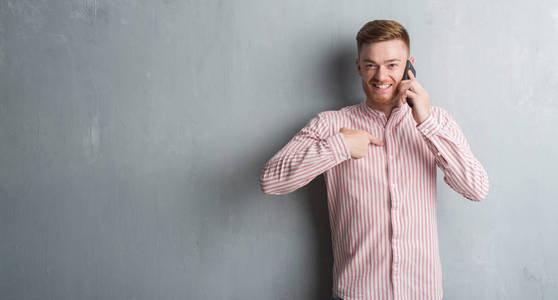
397,112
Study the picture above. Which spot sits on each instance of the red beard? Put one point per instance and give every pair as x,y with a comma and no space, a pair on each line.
386,98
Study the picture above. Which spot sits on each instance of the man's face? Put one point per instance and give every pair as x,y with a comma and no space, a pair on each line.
381,66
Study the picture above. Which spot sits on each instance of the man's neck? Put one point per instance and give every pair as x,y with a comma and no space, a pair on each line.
385,108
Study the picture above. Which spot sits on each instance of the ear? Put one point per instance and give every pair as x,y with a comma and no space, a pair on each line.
357,62
412,59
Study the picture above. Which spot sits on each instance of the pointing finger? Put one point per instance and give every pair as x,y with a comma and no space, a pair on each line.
375,140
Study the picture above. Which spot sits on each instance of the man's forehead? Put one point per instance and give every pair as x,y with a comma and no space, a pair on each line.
385,61
384,52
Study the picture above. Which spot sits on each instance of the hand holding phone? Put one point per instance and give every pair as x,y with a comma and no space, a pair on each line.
408,67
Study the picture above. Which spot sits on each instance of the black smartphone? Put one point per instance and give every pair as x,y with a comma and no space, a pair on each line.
408,67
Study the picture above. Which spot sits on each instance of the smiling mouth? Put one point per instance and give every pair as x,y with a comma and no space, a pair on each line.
381,87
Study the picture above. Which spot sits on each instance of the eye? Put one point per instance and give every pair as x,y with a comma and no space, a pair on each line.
393,65
370,66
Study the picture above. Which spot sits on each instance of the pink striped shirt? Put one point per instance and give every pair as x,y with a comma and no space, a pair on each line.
382,207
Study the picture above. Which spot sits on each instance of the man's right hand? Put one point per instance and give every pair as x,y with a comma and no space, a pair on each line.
358,141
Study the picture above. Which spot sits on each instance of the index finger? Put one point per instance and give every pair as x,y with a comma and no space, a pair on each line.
411,75
375,140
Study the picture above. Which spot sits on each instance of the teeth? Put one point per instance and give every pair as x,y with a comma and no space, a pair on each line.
382,86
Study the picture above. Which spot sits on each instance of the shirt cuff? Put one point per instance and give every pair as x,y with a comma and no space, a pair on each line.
429,127
339,147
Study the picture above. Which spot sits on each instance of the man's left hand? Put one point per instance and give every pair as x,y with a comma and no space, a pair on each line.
411,88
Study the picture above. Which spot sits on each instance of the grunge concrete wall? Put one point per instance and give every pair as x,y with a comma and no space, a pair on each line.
133,133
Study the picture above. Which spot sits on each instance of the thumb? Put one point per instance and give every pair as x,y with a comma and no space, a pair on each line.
375,140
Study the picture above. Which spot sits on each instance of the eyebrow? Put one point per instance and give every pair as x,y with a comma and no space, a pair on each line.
387,61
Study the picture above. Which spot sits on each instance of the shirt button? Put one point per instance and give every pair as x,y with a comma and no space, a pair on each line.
393,185
390,157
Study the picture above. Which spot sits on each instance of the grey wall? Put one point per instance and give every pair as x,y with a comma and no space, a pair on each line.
132,135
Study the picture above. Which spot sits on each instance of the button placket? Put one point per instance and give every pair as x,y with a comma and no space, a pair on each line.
395,236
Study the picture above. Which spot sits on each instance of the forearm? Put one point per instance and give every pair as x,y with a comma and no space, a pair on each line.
300,161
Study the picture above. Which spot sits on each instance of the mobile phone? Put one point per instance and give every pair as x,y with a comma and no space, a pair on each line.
408,67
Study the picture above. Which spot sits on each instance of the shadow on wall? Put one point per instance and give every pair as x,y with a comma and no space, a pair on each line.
316,204
339,76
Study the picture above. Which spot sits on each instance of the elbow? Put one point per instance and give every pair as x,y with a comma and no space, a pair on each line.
273,182
264,183
482,196
269,190
266,186
271,186
482,192
476,198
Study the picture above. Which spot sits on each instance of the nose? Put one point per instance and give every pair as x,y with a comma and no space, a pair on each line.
380,74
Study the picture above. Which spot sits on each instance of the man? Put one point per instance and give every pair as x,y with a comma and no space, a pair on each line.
379,160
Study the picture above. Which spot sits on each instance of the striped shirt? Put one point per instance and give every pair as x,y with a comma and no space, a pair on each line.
382,207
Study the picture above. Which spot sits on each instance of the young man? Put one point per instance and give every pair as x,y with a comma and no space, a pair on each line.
379,158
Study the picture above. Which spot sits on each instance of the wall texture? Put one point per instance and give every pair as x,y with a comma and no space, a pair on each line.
132,135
